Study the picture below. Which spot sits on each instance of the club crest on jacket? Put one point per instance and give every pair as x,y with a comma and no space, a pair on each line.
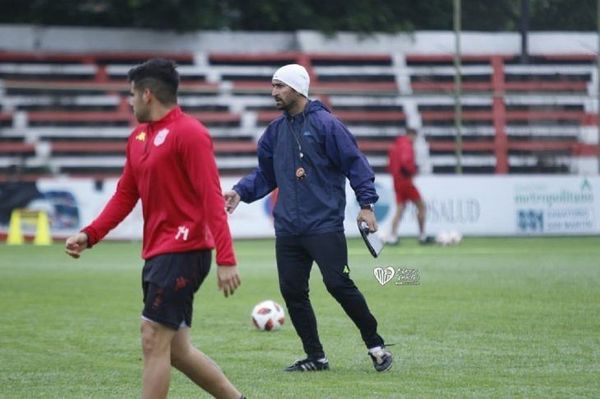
161,136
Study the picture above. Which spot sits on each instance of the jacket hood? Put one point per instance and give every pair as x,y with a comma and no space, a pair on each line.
316,105
311,106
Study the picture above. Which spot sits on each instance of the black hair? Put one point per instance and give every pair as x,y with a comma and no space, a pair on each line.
160,76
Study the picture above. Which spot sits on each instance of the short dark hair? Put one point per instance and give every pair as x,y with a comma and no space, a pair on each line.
411,130
160,76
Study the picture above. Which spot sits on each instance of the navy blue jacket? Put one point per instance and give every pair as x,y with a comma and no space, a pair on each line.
315,204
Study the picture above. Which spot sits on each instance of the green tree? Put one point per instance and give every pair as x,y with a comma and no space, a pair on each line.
289,15
502,15
570,15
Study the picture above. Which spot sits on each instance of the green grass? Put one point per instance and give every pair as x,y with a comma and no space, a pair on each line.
491,318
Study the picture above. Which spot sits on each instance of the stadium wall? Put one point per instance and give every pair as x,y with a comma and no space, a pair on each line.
473,205
486,205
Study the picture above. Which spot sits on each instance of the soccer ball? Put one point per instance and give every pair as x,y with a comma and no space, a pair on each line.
443,238
455,237
268,316
451,237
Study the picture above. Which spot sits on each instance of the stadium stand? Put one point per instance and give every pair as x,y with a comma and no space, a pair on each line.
67,113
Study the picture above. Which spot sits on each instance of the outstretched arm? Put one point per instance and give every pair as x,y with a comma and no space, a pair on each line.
116,209
258,183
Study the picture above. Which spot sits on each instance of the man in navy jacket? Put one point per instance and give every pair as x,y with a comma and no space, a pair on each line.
307,154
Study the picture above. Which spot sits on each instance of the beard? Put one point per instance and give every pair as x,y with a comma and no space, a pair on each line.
142,116
281,105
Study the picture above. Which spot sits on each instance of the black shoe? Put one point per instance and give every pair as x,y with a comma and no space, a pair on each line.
427,240
309,364
382,359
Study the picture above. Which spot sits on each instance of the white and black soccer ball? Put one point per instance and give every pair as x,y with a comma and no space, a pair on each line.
268,316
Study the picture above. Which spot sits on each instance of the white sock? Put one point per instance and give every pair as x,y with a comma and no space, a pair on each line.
375,349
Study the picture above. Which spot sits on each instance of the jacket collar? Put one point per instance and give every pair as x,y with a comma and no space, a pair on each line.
298,116
173,114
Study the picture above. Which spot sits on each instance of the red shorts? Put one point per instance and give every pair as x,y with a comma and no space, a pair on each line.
406,191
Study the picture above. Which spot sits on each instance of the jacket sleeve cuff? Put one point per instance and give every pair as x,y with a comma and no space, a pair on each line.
365,201
226,261
238,189
92,236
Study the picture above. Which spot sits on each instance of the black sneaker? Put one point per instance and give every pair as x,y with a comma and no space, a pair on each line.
382,359
427,240
309,365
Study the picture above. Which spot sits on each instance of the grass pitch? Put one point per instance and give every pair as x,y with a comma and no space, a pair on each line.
491,318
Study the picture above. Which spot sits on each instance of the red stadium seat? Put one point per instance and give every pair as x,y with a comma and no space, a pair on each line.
78,105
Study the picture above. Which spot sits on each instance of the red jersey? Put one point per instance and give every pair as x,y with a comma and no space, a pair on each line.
401,158
171,167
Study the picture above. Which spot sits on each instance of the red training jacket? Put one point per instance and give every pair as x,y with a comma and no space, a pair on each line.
171,167
401,159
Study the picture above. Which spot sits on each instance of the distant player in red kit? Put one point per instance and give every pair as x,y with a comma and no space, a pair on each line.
171,168
402,166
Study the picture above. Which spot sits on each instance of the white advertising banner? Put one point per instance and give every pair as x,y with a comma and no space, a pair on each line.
473,205
499,205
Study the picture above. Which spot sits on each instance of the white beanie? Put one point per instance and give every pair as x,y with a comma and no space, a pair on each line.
295,76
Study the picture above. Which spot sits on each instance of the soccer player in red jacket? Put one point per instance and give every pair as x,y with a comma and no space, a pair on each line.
171,168
402,166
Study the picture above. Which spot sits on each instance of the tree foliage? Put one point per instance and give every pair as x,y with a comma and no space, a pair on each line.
289,15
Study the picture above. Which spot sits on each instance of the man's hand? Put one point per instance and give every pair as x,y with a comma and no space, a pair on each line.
368,216
228,279
76,244
232,199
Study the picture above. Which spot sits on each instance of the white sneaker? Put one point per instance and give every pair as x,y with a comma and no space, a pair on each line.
391,240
